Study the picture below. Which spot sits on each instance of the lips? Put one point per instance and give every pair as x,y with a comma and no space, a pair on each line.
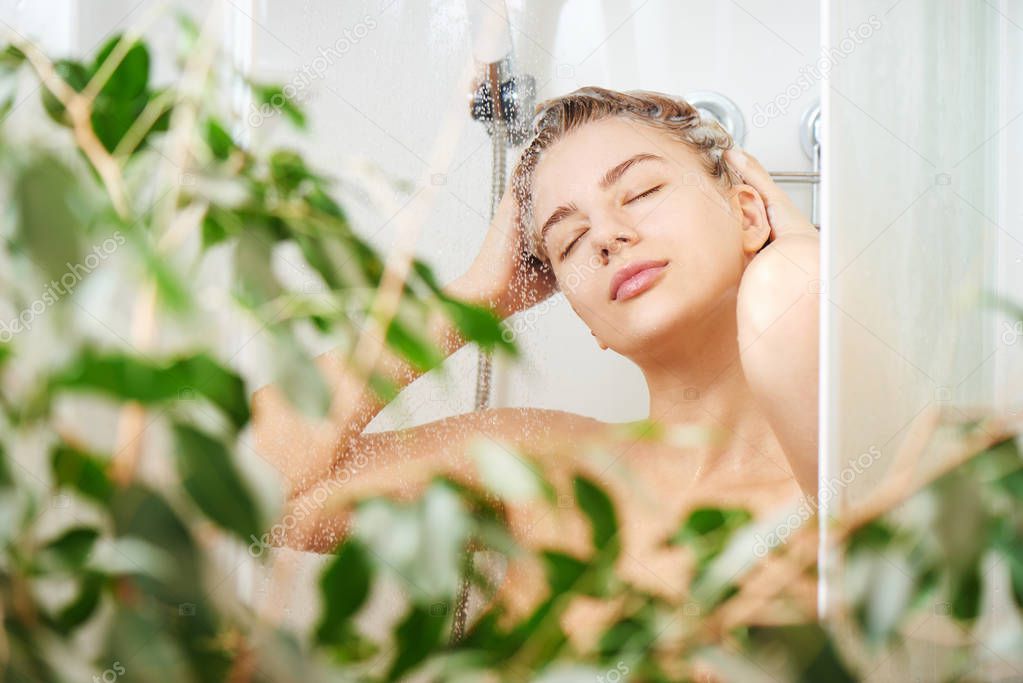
635,269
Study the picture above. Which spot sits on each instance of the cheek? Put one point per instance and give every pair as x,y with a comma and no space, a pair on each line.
580,283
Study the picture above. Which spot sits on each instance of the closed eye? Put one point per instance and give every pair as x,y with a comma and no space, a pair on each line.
571,244
645,194
649,192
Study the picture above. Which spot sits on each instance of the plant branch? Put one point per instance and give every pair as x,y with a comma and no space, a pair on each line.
79,111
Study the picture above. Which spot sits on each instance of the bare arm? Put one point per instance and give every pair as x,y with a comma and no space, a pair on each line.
305,451
778,313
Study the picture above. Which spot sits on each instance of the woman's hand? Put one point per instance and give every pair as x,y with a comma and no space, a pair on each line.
504,274
782,213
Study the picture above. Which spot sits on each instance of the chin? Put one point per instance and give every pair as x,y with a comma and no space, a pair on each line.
654,316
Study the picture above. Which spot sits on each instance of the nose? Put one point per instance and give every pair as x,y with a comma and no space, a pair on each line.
612,243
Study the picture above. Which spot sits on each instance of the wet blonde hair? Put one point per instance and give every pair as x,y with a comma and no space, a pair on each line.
556,117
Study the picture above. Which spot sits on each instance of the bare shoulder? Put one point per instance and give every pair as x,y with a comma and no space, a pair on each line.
785,275
777,320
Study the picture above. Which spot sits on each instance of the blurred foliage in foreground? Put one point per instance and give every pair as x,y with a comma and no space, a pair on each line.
129,584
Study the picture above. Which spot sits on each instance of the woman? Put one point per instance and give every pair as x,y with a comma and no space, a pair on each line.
678,253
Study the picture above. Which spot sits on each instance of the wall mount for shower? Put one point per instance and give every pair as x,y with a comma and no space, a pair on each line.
715,106
810,131
513,105
810,138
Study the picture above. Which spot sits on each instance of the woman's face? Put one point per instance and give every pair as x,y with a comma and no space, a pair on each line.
660,209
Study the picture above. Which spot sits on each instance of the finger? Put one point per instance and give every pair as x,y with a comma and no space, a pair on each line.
782,212
756,175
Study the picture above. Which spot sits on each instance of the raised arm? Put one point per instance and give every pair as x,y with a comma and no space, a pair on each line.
304,451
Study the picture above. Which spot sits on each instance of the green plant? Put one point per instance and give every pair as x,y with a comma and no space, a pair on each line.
102,560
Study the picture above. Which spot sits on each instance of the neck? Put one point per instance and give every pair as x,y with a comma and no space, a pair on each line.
697,379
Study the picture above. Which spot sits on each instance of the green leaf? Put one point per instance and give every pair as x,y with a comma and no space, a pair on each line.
444,527
127,555
210,478
875,534
70,549
274,97
298,376
707,530
145,627
504,471
49,205
112,117
135,379
479,325
344,587
162,123
253,268
141,513
418,351
317,255
219,224
131,77
563,571
601,513
288,170
6,477
11,58
966,592
81,471
1008,540
418,635
218,139
76,76
84,604
188,33
808,650
624,635
173,292
384,387
893,582
319,200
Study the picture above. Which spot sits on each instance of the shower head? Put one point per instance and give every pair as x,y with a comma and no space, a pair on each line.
500,99
488,24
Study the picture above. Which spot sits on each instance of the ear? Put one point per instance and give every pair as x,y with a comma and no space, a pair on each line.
749,207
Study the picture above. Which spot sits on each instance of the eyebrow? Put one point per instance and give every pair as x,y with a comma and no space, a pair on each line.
612,176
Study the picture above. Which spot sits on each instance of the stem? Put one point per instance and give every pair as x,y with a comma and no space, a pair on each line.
128,448
133,138
800,553
79,111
